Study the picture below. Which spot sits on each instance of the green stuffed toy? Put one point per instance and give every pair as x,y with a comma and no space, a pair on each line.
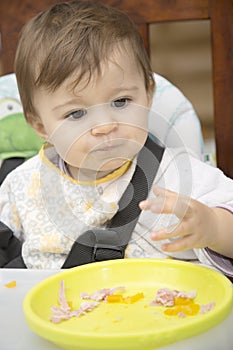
17,138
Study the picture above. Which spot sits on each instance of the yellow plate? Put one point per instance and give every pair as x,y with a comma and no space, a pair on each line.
136,326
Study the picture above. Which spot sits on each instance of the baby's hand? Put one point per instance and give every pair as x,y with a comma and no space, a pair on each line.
197,226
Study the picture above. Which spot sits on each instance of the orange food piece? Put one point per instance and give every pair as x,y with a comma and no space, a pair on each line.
70,303
116,298
132,299
192,309
171,311
11,284
183,301
189,308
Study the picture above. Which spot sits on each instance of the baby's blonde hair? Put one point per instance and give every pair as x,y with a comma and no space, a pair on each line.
70,37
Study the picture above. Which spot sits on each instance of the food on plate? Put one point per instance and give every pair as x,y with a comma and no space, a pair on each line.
101,294
176,303
11,284
180,303
118,298
207,307
108,294
167,297
64,311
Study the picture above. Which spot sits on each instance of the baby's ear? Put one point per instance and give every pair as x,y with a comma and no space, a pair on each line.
151,91
37,125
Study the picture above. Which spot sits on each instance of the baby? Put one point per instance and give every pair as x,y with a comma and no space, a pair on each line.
86,87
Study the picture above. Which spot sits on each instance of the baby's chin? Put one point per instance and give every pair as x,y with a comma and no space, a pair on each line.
113,165
109,168
91,174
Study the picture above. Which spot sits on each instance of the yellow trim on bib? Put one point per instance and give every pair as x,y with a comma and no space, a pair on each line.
113,175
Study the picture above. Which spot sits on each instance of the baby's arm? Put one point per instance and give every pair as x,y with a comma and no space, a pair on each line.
199,226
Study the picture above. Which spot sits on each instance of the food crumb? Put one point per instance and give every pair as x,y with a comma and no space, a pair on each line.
118,319
11,284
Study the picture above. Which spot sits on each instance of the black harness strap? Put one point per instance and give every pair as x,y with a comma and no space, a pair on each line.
10,246
110,243
8,165
10,249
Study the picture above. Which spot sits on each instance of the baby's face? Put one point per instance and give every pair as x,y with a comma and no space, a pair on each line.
100,125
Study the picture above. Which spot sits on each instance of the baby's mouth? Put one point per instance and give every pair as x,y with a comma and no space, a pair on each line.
108,146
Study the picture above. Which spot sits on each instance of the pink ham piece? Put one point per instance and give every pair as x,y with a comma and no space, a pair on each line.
64,312
101,294
166,296
207,307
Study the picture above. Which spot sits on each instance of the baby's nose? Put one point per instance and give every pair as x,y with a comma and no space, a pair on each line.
103,128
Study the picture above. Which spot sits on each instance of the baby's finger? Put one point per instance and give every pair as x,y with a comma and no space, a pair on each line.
154,204
157,204
172,231
150,202
159,191
185,243
172,203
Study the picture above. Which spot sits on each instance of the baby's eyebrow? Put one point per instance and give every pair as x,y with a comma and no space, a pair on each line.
124,88
65,104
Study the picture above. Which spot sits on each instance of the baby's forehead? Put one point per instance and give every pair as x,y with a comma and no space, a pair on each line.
120,66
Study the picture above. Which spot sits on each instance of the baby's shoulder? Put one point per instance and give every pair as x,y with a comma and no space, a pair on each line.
23,172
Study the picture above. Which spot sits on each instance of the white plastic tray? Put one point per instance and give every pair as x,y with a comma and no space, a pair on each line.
15,334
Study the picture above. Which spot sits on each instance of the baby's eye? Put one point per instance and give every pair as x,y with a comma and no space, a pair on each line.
77,114
120,103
